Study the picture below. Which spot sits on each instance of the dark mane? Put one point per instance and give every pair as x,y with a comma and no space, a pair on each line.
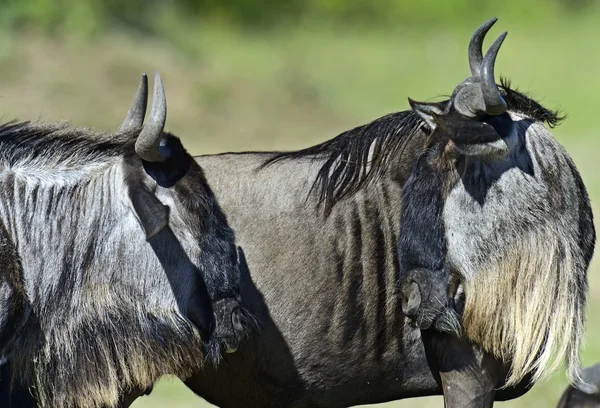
54,145
348,166
518,101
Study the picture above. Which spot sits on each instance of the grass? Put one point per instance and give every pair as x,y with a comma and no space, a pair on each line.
229,90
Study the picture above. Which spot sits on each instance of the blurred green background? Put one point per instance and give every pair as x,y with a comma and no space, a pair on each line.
284,74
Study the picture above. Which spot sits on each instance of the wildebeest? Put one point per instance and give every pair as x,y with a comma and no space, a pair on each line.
113,252
575,398
468,206
471,199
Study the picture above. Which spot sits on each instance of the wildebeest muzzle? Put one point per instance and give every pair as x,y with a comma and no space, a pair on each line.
432,299
231,327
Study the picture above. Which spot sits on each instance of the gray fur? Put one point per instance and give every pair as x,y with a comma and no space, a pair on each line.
527,213
99,311
323,282
483,203
324,291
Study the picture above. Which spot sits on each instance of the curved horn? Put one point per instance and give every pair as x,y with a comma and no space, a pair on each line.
147,145
475,47
137,111
494,102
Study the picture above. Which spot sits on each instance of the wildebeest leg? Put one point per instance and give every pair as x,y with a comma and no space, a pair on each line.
469,376
575,398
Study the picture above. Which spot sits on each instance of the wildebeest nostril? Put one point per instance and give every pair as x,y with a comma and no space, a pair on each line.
411,299
231,345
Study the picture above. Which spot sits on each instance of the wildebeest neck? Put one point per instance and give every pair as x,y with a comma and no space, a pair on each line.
100,297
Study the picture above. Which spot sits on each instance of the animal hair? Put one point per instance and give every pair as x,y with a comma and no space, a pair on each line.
524,306
522,103
361,155
525,275
356,156
40,146
539,284
102,319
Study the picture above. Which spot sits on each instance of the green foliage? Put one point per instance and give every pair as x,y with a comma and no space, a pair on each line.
82,17
87,17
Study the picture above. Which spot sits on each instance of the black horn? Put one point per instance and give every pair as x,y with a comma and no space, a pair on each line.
494,102
137,111
475,47
147,145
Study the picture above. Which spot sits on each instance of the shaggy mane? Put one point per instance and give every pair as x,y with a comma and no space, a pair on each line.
356,157
61,146
521,102
87,333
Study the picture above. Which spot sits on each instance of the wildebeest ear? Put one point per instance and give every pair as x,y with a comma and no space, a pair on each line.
175,166
465,132
427,110
153,215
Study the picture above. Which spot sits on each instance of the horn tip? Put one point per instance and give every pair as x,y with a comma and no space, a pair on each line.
488,24
157,79
500,39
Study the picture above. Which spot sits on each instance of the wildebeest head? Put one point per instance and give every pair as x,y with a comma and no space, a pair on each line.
472,124
90,309
177,181
495,223
500,205
475,117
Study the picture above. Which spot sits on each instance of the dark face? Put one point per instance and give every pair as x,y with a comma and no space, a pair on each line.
473,123
518,226
428,286
186,227
215,264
